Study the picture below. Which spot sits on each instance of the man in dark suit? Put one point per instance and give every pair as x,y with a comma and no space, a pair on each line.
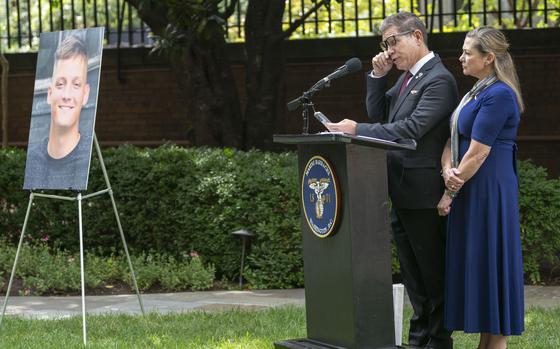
417,107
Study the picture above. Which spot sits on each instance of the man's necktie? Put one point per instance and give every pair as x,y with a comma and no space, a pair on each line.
407,77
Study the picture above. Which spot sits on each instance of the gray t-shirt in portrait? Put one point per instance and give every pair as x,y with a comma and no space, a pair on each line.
70,172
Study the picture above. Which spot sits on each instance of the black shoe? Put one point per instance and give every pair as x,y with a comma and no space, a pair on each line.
445,344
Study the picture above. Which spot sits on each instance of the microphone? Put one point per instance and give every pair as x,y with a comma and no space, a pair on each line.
351,66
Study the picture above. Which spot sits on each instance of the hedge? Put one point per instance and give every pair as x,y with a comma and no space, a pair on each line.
45,270
175,200
539,211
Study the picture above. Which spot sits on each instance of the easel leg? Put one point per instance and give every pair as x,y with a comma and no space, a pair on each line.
17,257
135,284
84,332
126,252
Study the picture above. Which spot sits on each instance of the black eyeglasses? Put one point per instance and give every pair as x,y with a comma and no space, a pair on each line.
392,40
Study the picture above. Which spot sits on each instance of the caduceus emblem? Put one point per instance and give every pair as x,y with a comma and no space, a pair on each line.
319,187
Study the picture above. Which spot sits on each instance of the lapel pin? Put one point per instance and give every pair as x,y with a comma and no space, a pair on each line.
413,92
419,75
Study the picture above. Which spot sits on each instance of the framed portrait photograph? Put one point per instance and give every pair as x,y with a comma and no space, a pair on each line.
64,108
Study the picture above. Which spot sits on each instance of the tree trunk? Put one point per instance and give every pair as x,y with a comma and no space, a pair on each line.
210,94
264,71
4,88
204,74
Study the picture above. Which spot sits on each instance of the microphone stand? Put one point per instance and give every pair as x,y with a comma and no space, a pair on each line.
304,101
307,104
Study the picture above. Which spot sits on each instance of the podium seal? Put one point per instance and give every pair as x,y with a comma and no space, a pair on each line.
320,196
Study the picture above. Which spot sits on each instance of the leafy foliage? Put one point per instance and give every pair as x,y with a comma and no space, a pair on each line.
27,19
343,18
42,269
175,200
539,210
172,273
189,21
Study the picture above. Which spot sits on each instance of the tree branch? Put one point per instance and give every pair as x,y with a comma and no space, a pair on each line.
296,24
522,20
153,13
229,10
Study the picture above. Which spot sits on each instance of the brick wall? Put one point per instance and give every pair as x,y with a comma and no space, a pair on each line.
145,107
142,106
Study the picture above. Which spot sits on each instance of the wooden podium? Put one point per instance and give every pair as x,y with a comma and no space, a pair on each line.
348,286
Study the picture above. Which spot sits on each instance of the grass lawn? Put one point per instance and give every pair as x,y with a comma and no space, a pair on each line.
239,329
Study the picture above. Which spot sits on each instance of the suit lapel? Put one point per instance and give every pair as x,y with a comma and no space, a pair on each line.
420,75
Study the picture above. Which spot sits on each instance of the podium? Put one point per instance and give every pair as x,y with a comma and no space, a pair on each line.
348,285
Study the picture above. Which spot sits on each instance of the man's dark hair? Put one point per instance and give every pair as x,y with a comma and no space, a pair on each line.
405,21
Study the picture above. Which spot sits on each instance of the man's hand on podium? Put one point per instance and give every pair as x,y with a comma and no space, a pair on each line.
347,126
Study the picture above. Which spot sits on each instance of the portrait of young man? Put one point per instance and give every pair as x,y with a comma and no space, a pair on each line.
59,149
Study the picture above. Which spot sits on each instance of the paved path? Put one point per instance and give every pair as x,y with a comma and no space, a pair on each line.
55,307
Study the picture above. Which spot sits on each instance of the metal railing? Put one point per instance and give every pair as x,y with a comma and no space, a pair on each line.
22,21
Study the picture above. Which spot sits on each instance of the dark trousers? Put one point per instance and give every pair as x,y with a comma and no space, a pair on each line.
420,238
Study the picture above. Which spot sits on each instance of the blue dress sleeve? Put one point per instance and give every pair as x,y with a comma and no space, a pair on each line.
496,108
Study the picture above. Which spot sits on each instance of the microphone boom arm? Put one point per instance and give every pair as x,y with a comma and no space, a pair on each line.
318,86
351,66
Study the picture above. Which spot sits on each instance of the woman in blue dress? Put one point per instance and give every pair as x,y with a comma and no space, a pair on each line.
484,271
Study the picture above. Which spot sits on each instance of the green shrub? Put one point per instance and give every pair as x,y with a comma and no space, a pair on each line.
174,200
198,276
539,210
147,270
40,271
107,269
45,270
172,273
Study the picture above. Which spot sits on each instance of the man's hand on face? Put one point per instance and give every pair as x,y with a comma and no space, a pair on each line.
381,63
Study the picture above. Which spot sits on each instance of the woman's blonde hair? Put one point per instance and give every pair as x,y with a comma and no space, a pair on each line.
491,40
